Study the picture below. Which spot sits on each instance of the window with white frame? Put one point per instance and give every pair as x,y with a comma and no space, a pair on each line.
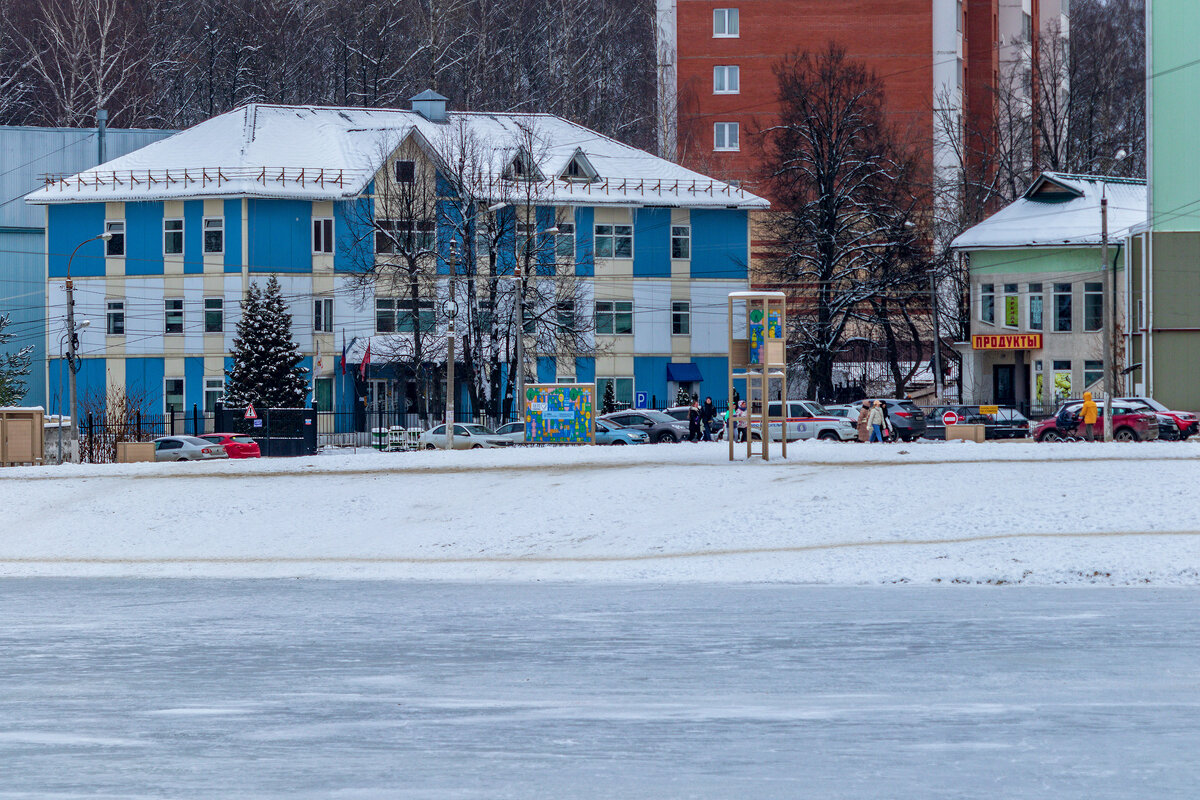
172,237
725,23
323,315
1062,308
987,303
406,171
614,317
564,315
681,242
173,315
622,390
614,241
681,318
214,315
725,136
1012,306
323,235
397,315
1093,307
214,390
564,243
115,246
115,317
172,395
726,80
1036,307
404,236
214,234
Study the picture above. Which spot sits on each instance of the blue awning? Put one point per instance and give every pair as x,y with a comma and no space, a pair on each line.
683,372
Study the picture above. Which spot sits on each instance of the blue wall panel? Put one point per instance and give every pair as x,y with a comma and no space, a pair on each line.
144,382
506,254
144,238
193,383
714,372
585,262
651,242
90,383
348,218
193,237
70,224
719,243
23,300
585,370
233,235
547,369
650,376
545,256
280,239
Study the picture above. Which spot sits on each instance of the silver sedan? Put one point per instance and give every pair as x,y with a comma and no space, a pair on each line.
186,448
466,437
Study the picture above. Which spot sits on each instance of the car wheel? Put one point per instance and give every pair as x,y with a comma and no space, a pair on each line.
1050,436
1125,435
617,442
828,436
666,437
430,447
476,447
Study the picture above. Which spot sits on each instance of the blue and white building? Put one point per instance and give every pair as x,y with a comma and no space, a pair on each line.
273,190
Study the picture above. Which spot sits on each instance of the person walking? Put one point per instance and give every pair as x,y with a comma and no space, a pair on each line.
741,421
708,412
694,420
1089,412
875,420
864,427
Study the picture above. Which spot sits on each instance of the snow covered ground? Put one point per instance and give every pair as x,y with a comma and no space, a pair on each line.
998,513
266,690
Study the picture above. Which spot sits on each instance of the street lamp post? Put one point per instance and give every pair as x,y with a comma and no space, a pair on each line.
1109,275
73,346
451,310
938,388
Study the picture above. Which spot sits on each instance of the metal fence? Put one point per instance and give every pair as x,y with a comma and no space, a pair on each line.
100,433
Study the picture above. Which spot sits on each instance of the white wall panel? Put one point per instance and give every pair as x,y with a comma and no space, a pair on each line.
651,317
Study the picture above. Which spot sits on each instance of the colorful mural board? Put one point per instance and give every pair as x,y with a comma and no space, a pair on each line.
560,413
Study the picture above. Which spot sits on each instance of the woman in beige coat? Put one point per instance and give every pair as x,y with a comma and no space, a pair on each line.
864,429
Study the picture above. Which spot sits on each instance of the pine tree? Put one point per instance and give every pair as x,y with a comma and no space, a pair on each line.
609,403
14,367
266,360
682,398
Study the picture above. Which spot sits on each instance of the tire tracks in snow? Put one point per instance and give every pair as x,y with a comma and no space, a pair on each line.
579,559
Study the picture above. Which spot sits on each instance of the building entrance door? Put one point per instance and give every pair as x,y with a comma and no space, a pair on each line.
1004,387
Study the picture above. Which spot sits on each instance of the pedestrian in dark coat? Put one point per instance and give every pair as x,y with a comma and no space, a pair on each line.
864,427
694,420
708,412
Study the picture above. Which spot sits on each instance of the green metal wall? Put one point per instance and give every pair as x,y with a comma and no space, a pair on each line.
1173,97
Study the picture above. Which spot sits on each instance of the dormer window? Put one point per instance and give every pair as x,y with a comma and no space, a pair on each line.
523,167
579,169
406,171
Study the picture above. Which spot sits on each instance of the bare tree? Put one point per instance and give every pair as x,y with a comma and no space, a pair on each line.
847,209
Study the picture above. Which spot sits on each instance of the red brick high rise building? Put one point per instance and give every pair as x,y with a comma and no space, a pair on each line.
939,59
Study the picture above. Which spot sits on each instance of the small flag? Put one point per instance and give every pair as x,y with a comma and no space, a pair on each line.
343,352
362,370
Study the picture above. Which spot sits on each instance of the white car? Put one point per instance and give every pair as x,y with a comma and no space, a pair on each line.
807,419
186,448
466,437
513,431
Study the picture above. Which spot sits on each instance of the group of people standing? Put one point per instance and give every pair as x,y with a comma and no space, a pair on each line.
700,419
873,422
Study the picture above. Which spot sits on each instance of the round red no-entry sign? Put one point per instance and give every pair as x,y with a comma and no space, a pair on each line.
950,418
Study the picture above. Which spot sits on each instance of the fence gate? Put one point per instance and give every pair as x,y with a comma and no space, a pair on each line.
278,431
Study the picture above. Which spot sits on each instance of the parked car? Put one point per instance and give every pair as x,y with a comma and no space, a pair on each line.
186,448
1007,423
935,428
609,433
806,419
907,420
237,445
1185,421
681,413
658,426
466,437
844,411
513,431
1130,424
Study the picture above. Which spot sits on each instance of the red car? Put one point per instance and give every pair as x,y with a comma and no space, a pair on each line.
1130,424
237,445
1184,420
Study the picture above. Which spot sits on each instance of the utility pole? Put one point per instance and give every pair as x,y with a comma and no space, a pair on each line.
451,309
1109,321
939,389
520,384
73,348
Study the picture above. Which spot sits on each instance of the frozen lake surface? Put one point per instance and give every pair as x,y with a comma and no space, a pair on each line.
310,689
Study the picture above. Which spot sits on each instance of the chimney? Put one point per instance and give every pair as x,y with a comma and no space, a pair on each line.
430,105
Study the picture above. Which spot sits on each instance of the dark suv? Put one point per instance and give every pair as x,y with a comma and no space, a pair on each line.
906,419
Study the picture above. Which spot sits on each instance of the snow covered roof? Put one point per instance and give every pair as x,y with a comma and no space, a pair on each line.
1061,210
322,153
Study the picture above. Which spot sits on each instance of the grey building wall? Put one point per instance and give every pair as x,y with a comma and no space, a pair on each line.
27,155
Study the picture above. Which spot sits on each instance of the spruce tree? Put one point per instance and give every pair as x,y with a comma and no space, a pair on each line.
682,398
609,403
14,367
266,360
